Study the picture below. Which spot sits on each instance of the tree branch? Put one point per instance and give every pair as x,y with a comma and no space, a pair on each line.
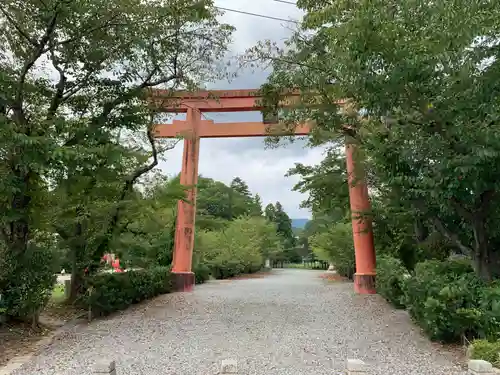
58,96
127,187
465,213
40,46
438,224
19,29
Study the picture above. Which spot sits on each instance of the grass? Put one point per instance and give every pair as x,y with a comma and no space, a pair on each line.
58,293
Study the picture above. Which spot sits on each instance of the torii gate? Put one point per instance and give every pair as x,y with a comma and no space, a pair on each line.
194,128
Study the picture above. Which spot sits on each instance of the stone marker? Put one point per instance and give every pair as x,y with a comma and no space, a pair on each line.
478,366
105,367
356,367
229,366
268,263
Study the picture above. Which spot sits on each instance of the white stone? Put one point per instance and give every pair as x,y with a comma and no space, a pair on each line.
105,367
478,366
356,367
268,263
229,366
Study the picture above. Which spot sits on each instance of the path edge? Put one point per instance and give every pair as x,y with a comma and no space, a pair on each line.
19,361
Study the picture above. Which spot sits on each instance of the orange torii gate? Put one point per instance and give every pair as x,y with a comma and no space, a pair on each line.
194,128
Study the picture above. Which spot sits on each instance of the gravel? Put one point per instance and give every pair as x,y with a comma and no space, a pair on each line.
290,322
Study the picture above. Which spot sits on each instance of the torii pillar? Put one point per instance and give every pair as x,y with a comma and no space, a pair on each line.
182,274
362,231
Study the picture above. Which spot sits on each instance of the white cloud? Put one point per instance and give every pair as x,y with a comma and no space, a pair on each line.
223,159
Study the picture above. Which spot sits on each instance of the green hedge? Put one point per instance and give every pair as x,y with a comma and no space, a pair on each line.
201,273
26,282
109,292
445,298
391,276
486,350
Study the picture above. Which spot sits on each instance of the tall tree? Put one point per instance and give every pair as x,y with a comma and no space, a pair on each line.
425,114
240,186
284,226
257,203
270,212
75,78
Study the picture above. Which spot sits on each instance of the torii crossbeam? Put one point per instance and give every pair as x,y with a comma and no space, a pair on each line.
194,128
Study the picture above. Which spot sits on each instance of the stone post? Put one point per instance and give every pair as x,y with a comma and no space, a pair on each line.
268,263
229,366
356,367
480,367
105,367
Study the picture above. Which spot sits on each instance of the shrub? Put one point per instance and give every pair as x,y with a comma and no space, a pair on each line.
201,273
490,308
240,248
109,292
486,350
336,246
26,282
391,276
443,298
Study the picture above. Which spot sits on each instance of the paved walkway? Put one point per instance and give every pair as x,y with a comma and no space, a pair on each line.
291,323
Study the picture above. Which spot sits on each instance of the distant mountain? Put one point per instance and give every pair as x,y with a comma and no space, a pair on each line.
299,223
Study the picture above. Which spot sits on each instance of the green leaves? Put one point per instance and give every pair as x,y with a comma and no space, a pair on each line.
421,82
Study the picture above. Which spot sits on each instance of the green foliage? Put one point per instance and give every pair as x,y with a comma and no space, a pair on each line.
283,224
485,350
240,248
426,114
335,245
26,282
76,128
109,292
391,277
201,273
490,307
444,299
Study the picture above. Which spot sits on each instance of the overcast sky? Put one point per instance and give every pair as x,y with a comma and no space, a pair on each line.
223,159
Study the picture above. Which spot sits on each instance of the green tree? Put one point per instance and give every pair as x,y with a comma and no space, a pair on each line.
75,78
240,186
217,203
270,212
425,114
257,203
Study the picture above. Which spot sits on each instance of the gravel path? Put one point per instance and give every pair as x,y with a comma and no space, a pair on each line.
290,322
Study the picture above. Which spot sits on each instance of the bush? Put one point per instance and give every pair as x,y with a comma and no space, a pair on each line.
490,308
336,246
486,350
391,276
109,292
239,249
201,273
443,298
26,282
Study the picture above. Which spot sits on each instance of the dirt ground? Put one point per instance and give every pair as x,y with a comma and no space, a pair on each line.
19,338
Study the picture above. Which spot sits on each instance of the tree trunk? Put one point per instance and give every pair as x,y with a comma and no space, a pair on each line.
77,250
421,231
481,251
